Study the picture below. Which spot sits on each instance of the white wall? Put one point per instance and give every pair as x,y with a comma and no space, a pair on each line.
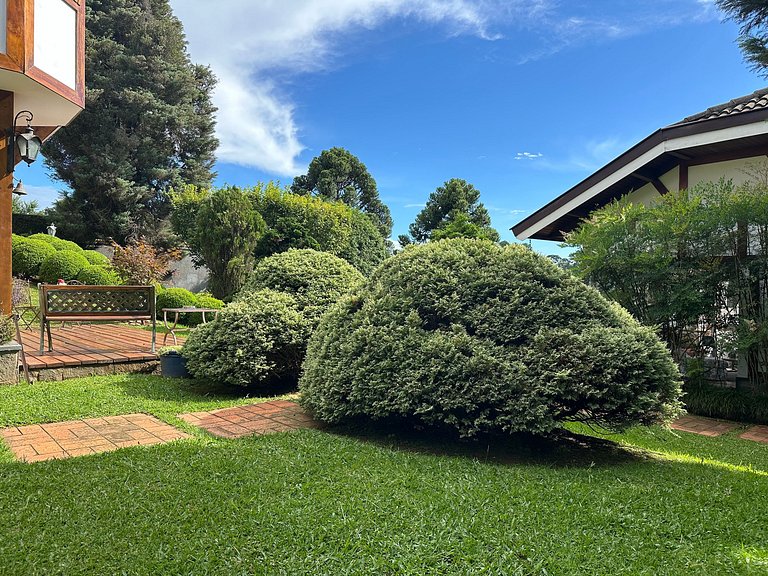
737,170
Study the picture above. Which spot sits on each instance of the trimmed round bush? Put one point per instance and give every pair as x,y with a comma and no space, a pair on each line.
257,341
204,300
96,258
315,279
28,255
65,264
44,237
175,298
485,339
67,245
98,276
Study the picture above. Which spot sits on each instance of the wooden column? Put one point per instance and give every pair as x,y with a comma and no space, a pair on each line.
6,187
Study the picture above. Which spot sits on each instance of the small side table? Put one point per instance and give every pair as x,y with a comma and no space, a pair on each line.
184,310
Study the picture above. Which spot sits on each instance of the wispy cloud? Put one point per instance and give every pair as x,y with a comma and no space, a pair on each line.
414,205
528,155
587,157
257,48
267,39
44,195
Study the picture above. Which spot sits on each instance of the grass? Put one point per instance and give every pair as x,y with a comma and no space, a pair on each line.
331,502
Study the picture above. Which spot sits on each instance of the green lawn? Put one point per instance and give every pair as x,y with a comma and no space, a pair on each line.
315,502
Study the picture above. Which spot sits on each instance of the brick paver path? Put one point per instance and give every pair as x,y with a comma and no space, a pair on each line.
756,433
81,437
262,418
703,426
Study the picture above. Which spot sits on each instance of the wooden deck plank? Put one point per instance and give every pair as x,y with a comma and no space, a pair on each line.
90,344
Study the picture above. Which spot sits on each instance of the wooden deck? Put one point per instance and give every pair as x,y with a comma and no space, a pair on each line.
89,345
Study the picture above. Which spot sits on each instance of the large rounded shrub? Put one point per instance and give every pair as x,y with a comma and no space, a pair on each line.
65,264
28,255
98,276
61,244
315,279
256,341
96,258
482,338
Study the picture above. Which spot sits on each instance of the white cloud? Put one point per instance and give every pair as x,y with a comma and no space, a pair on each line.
248,43
44,195
415,206
588,156
528,155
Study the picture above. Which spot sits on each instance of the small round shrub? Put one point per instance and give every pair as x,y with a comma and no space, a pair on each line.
256,341
67,245
485,339
44,237
96,258
28,255
175,298
204,300
98,276
315,279
64,264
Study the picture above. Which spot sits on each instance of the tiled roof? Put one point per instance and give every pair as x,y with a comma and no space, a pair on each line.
756,101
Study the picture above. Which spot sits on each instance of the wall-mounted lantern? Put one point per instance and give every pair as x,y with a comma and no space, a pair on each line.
26,143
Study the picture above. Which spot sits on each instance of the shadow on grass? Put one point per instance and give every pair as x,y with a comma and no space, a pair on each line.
191,389
563,449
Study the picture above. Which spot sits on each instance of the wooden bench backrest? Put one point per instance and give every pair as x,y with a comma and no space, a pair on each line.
94,301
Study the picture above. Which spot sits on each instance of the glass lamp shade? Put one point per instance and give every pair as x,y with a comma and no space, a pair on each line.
28,145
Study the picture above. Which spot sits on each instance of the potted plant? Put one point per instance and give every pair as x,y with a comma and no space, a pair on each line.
172,363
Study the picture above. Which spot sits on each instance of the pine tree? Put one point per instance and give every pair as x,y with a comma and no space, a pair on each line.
338,175
148,125
752,18
453,209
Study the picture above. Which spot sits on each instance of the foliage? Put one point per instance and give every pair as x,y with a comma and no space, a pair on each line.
256,341
175,298
460,226
695,264
98,275
203,300
295,221
96,258
222,235
339,176
453,210
61,244
141,263
169,350
564,263
27,256
7,329
64,265
315,279
52,240
727,403
752,18
147,125
27,207
480,338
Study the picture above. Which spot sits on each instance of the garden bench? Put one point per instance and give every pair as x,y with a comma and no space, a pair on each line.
64,303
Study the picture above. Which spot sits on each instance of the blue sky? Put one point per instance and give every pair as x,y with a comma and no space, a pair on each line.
521,98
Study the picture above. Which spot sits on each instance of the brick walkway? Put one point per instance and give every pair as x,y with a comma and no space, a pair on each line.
262,418
81,437
703,426
756,433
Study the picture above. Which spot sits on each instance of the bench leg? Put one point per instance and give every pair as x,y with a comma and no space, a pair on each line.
154,334
42,336
50,340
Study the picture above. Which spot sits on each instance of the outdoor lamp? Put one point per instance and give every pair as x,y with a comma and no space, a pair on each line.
27,144
51,229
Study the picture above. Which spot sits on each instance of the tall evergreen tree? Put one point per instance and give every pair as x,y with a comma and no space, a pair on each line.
148,125
752,18
338,175
453,209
